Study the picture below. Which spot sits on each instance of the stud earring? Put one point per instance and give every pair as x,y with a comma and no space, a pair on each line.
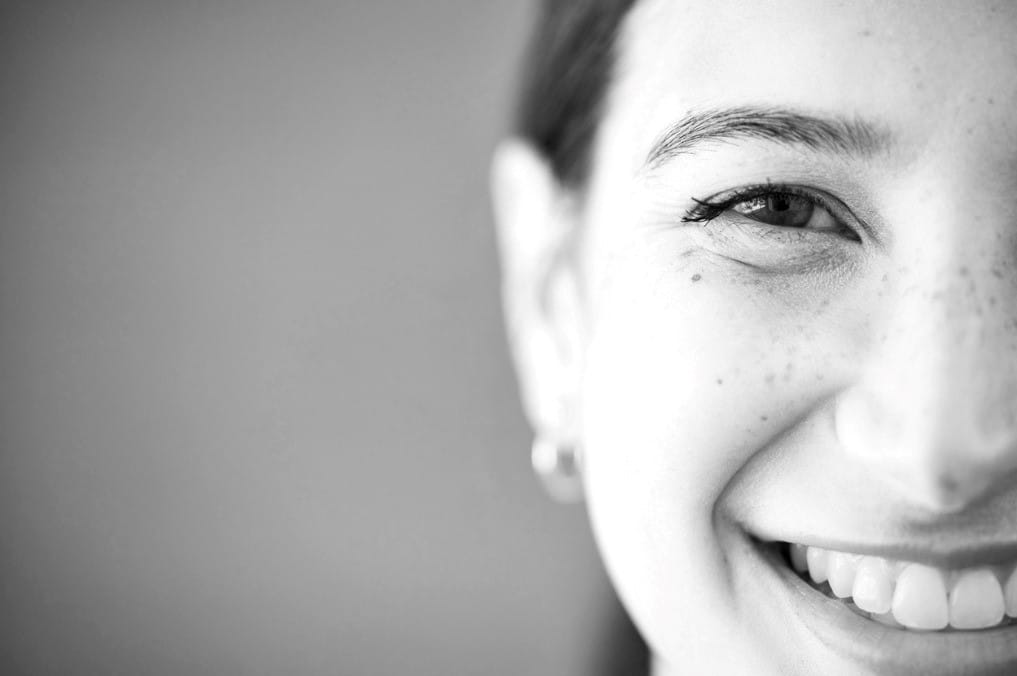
559,467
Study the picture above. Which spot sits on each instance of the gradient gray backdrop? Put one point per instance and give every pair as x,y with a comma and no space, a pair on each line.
256,415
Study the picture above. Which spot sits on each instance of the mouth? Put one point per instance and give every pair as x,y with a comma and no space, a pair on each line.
906,594
896,615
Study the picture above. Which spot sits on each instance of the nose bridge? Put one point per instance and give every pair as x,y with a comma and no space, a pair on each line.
949,358
936,405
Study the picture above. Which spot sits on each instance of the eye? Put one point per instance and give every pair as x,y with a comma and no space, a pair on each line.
778,207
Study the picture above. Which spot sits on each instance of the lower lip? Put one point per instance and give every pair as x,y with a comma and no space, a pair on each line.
872,646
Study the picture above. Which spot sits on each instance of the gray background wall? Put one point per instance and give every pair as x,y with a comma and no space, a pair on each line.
256,415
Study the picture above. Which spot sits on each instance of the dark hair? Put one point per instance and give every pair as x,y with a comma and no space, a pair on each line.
570,64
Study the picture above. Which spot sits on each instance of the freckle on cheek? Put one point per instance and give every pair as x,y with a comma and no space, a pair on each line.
696,277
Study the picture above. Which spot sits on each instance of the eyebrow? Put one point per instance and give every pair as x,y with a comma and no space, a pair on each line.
824,134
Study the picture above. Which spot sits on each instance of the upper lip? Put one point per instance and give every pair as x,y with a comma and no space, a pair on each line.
947,551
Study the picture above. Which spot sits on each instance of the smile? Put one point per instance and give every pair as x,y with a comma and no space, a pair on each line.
937,612
910,595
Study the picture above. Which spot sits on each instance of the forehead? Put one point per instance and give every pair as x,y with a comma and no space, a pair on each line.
921,68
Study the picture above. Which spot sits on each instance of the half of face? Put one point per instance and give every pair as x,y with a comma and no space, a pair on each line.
781,322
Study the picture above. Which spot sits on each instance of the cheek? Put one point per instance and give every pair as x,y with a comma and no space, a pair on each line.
690,371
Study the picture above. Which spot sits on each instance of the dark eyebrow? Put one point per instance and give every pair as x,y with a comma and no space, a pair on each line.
831,135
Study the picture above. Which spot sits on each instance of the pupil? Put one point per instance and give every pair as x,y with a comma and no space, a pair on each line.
778,202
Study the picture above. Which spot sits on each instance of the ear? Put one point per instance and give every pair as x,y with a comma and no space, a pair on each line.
537,223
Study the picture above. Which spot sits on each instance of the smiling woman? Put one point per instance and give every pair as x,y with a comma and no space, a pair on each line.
759,265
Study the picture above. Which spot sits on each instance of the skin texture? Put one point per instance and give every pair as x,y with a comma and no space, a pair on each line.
728,379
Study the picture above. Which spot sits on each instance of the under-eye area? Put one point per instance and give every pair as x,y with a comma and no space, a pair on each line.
907,595
746,248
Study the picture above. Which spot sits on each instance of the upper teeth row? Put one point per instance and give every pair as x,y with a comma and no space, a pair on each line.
911,594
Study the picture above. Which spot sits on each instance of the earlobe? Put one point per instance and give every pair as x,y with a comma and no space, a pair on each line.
540,289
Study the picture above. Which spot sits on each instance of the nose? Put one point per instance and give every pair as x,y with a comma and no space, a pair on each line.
934,409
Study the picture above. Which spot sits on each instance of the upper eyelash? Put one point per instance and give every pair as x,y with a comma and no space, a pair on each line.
705,211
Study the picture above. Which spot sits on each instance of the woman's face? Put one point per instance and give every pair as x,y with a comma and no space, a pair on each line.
797,321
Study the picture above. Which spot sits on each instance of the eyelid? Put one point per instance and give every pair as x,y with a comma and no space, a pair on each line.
710,208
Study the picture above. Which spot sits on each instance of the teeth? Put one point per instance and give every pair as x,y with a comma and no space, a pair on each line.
919,601
817,560
799,558
912,595
976,600
840,572
1010,594
873,590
